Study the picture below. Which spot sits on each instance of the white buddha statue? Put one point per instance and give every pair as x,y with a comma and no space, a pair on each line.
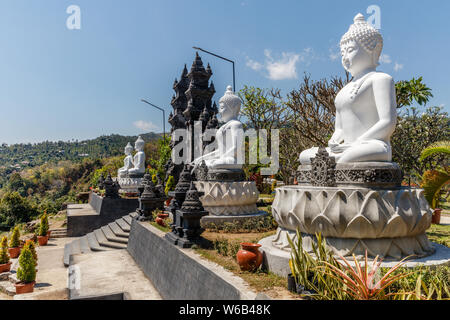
365,108
139,158
226,154
127,162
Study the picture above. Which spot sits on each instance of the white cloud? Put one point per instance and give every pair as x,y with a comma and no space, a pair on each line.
145,125
284,66
255,65
385,58
398,67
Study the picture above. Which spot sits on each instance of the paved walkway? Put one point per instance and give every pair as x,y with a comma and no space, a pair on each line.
51,278
110,272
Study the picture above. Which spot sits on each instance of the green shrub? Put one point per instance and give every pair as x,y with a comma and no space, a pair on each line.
27,266
170,185
14,242
43,226
4,256
32,246
226,248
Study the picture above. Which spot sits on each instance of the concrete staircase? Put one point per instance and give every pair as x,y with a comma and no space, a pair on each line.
58,233
109,237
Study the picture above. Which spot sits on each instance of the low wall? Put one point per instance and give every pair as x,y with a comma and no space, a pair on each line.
102,211
181,273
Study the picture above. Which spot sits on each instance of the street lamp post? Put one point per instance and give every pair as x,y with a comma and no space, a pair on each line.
164,116
216,55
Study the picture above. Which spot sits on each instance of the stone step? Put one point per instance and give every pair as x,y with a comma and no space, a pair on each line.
128,219
84,245
76,248
4,276
7,288
67,253
93,243
133,214
123,225
109,234
103,241
118,230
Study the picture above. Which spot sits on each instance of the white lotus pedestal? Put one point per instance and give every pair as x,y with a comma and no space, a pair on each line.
355,214
228,202
129,185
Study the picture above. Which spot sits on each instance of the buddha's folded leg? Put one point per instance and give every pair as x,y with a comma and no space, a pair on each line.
372,150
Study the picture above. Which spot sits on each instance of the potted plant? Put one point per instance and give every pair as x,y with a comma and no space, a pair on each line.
26,272
5,264
43,229
436,218
32,246
14,243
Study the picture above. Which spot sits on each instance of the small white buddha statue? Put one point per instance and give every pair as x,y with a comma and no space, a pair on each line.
127,162
139,158
226,154
365,108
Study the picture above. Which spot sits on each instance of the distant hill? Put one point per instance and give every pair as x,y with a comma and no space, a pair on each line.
23,155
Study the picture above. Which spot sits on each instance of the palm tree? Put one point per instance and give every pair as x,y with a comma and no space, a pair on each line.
434,180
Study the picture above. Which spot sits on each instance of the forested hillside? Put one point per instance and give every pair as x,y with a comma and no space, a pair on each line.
20,156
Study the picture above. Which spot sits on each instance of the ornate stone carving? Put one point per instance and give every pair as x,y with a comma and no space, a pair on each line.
365,174
322,169
201,173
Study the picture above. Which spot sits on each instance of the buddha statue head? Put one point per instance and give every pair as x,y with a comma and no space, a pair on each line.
229,105
128,149
360,46
139,144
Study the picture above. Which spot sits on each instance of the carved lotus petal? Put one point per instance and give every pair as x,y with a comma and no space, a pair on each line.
423,224
323,225
337,211
395,227
359,227
373,209
311,209
408,207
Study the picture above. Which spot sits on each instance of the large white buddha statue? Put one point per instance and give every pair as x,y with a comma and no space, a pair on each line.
127,162
139,159
366,107
227,136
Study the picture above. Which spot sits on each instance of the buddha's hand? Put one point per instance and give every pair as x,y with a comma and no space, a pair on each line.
339,148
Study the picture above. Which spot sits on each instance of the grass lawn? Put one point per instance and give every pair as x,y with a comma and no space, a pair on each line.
439,234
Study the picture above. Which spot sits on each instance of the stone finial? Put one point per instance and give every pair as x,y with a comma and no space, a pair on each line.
192,201
185,179
111,188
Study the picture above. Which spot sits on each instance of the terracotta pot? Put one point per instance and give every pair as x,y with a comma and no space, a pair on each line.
42,240
22,287
14,252
5,267
436,218
168,201
160,221
249,257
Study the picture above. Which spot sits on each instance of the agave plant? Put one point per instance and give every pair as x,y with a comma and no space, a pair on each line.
308,270
434,180
360,281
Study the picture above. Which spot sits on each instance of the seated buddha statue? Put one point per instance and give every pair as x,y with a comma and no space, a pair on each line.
366,107
127,162
139,159
228,136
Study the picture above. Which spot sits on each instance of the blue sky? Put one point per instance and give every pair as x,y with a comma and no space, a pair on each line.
61,84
